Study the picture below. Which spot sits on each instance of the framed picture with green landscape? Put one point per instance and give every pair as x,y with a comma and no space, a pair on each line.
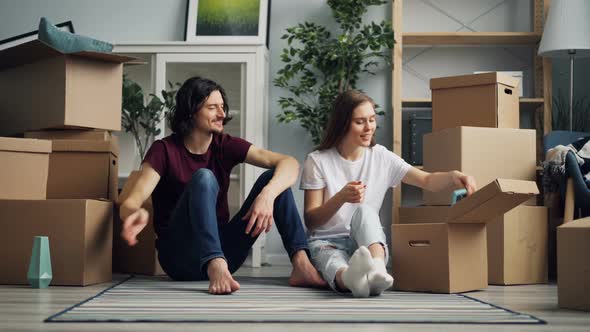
227,21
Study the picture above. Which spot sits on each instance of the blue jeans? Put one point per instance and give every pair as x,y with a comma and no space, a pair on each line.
194,237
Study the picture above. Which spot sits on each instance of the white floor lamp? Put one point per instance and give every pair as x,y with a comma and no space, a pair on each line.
567,35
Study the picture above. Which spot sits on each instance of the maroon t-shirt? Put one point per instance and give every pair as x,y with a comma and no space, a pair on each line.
176,165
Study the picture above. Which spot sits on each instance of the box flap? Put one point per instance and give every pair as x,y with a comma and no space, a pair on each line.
86,146
495,199
36,50
578,223
471,80
25,145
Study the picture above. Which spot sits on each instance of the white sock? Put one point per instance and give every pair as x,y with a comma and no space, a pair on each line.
355,276
379,279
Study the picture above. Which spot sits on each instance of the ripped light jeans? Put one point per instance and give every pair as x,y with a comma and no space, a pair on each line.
329,255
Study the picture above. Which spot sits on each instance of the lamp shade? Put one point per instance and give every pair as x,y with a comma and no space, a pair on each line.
567,28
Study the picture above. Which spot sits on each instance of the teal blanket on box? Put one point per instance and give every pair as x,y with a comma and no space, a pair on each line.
67,42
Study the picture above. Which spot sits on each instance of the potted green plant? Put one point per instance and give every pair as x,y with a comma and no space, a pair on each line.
141,114
319,66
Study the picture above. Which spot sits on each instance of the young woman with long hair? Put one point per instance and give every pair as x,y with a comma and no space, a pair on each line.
345,181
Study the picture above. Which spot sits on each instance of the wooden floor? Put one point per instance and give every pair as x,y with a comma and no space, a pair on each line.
24,309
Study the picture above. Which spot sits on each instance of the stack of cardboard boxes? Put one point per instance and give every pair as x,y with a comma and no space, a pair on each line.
60,180
475,122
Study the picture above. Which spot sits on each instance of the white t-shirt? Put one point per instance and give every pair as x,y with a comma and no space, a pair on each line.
378,168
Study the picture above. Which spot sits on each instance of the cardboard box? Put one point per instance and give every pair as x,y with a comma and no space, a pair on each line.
44,88
443,249
484,153
515,74
479,100
25,164
80,236
573,264
86,169
439,258
77,134
517,246
143,257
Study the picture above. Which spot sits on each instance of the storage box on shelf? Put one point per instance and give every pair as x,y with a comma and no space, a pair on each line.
479,100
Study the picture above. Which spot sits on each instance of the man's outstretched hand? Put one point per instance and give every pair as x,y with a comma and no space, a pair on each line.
133,225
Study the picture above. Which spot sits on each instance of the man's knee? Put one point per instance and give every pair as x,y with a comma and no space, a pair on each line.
204,178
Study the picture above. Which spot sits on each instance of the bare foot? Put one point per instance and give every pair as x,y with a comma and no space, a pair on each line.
220,280
304,274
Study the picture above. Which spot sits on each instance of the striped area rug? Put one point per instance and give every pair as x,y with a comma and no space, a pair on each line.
157,299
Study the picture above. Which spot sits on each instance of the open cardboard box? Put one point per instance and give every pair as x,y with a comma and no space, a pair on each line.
573,264
443,249
479,100
80,236
25,164
44,88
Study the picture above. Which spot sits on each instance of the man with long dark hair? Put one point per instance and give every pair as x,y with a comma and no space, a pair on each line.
187,175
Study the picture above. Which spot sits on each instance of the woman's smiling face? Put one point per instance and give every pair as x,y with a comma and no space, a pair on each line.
362,125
